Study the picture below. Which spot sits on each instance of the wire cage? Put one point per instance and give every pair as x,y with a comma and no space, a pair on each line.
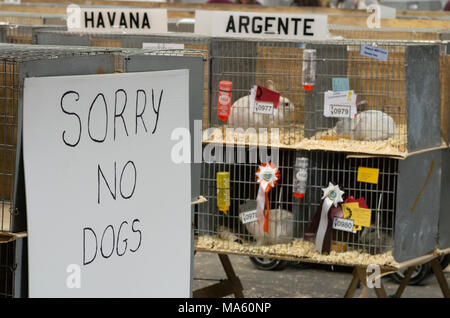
394,234
412,34
13,260
16,62
385,114
29,18
171,43
22,33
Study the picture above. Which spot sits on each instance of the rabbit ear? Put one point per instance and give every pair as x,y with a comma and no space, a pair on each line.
270,85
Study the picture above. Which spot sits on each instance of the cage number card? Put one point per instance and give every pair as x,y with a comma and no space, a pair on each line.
342,224
249,216
340,104
264,100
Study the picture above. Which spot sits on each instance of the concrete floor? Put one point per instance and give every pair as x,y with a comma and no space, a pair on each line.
313,281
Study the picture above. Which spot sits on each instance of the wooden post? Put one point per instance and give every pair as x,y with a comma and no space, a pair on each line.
443,284
359,275
404,282
231,285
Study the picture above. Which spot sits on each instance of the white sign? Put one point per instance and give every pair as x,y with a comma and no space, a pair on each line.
108,211
340,104
343,224
261,25
115,20
248,217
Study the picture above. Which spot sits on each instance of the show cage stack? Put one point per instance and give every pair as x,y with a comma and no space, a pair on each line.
171,44
22,33
385,150
16,63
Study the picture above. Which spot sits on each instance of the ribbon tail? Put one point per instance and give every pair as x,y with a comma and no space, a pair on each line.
266,215
260,202
323,224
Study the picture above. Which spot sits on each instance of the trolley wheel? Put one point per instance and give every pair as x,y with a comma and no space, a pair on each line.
419,274
267,264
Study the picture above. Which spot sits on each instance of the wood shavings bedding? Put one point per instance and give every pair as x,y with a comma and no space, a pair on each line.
298,249
293,138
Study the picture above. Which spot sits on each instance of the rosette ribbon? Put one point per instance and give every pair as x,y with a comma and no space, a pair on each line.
267,176
332,195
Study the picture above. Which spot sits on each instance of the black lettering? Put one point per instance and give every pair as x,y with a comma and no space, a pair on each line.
156,111
116,115
284,26
268,25
256,28
106,119
84,245
136,231
306,26
244,21
100,172
145,22
143,110
100,20
296,21
123,20
111,20
134,183
113,240
134,19
86,19
124,240
72,114
230,25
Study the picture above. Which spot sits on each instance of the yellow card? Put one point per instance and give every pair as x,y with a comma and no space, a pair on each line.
362,216
368,175
347,209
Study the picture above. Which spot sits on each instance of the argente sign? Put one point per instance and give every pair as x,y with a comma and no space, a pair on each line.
108,210
116,20
261,25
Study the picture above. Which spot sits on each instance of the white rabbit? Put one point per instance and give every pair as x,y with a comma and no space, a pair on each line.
241,116
369,125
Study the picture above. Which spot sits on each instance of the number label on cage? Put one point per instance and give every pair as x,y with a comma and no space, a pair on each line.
114,20
343,224
261,25
263,108
263,100
340,104
248,217
105,162
374,52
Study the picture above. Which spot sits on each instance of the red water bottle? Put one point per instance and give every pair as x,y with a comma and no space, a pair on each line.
224,104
